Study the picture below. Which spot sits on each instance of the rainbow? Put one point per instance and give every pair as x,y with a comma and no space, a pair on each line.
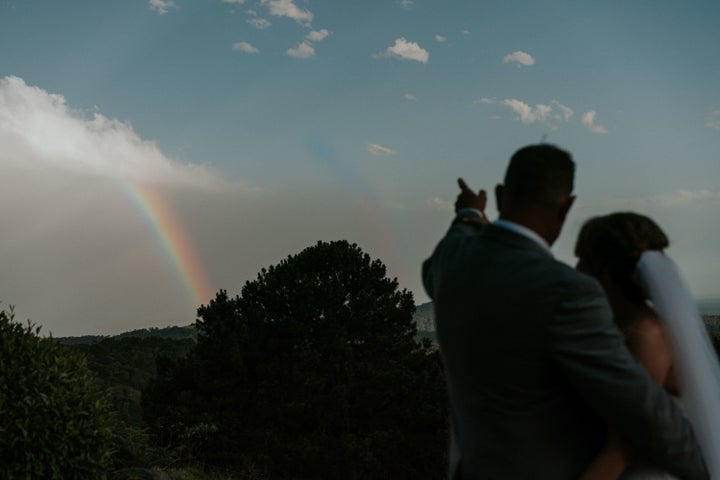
173,241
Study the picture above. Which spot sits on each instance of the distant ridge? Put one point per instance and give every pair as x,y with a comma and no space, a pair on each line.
175,333
424,319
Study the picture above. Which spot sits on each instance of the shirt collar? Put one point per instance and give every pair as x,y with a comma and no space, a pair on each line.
524,231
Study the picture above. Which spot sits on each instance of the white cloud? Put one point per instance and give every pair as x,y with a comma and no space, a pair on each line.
528,114
40,130
520,58
713,120
405,50
161,6
466,32
304,50
378,150
406,3
440,38
251,12
588,119
239,2
410,96
318,35
259,23
286,8
566,111
245,47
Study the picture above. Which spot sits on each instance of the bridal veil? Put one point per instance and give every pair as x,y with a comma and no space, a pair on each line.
695,358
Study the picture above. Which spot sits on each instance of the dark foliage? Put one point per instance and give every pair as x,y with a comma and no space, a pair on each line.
312,372
124,364
54,421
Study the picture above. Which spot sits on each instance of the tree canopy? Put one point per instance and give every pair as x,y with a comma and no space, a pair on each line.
313,371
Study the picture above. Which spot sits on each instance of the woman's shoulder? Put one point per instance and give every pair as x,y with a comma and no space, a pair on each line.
645,329
646,326
647,340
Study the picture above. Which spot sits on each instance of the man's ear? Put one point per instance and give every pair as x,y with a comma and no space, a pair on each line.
499,197
565,207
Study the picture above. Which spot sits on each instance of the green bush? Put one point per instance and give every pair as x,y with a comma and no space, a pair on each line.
55,422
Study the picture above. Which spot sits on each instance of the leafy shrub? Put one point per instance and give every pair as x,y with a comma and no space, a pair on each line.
134,447
54,420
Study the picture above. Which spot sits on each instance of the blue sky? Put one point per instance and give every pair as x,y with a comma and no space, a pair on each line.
319,119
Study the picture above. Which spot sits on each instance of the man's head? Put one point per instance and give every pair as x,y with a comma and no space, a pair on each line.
537,192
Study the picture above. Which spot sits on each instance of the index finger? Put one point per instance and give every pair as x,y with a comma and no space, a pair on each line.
464,186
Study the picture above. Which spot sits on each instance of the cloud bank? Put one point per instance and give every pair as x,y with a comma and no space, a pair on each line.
39,131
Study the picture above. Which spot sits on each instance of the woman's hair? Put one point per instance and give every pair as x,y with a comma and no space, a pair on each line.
614,243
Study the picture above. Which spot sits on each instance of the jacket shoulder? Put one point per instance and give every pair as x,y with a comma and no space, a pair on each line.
571,281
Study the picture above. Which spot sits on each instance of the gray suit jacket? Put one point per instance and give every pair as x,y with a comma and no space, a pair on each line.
536,368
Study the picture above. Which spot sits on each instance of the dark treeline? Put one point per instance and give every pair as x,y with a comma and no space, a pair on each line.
124,365
177,333
317,369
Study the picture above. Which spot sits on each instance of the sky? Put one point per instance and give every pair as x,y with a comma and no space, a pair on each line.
153,152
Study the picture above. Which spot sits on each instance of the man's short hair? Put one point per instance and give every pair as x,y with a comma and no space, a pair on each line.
539,173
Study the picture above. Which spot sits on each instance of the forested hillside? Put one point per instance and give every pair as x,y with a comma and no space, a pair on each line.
125,364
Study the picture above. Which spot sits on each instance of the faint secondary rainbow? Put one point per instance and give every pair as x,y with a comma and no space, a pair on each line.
174,242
